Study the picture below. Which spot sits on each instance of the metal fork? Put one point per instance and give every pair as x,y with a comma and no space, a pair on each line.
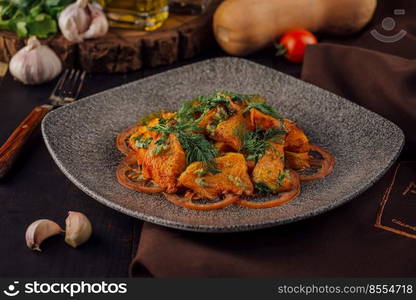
66,90
68,87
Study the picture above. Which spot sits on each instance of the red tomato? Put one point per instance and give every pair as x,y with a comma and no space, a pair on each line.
293,44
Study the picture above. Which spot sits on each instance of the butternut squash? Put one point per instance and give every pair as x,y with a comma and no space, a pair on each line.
242,27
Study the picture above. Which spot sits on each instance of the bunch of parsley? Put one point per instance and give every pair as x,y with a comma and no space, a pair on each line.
31,17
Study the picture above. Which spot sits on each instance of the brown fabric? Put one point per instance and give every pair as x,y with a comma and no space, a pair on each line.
343,242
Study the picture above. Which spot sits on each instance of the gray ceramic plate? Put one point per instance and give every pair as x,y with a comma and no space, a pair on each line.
81,136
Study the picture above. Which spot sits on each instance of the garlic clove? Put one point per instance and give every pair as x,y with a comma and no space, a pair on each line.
78,229
99,23
39,231
35,63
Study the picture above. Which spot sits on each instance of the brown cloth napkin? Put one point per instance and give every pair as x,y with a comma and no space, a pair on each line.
374,234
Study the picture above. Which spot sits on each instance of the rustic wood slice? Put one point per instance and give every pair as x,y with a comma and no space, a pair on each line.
180,37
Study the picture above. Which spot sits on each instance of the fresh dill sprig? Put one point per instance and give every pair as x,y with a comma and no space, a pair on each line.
188,110
254,145
200,105
196,146
275,135
264,108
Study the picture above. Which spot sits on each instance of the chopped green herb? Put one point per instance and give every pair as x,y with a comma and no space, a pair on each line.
262,188
28,18
254,145
196,146
276,135
198,107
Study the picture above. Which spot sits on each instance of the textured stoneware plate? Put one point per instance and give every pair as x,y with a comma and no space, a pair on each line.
81,136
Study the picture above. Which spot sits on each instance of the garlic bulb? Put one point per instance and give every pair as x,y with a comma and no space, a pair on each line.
82,20
35,63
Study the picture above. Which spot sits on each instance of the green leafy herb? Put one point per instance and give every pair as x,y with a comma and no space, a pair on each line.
211,101
264,108
254,145
197,108
196,146
31,18
262,188
275,135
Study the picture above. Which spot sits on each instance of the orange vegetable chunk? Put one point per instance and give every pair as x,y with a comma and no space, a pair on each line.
164,166
232,177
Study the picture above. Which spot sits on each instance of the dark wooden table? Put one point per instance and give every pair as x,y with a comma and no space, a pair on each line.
36,189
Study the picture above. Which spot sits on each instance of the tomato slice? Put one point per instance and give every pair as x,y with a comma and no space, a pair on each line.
128,175
189,203
123,138
283,197
324,165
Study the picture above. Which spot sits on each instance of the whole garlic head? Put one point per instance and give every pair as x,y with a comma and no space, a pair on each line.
82,20
35,63
78,229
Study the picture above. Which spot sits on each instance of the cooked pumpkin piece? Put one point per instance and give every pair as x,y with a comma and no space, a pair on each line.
140,140
164,162
263,121
297,161
222,147
269,172
296,140
232,130
232,177
212,118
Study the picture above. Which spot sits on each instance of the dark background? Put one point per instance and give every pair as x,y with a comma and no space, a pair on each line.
36,188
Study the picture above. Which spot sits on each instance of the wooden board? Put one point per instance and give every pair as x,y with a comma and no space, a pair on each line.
181,37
